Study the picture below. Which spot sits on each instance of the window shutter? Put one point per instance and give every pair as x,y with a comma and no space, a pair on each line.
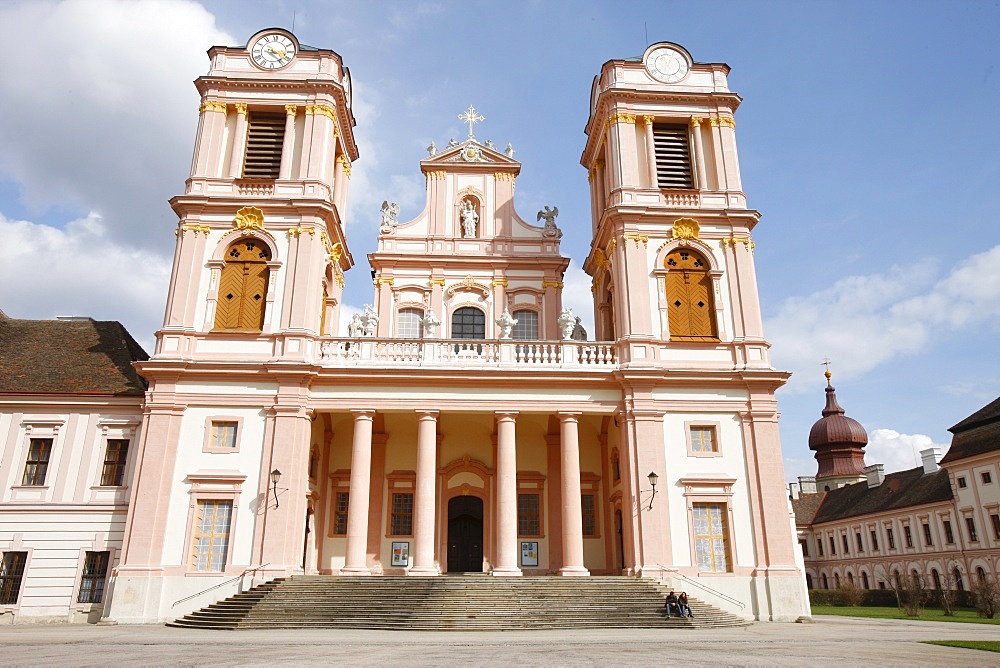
264,139
673,156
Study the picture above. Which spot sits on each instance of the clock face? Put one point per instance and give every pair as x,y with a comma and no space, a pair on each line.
272,51
667,65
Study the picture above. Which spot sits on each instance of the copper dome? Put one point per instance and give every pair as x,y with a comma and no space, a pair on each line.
834,428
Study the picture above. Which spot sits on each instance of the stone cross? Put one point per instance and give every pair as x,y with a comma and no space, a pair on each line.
471,117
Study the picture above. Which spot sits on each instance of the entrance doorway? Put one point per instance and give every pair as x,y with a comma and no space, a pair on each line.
465,535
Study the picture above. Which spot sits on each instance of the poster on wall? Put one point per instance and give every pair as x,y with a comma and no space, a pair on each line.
401,554
529,553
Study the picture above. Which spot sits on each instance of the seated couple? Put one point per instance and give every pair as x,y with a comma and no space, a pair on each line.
678,604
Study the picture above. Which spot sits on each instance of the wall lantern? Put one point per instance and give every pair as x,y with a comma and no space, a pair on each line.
275,477
652,482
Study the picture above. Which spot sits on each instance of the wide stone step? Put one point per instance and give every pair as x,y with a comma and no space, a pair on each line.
452,603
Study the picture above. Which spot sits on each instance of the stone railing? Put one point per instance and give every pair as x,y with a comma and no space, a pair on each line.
467,352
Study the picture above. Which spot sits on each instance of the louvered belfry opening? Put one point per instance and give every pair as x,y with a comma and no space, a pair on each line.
265,136
673,156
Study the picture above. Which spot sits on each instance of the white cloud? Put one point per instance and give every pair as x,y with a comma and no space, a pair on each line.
106,113
577,296
79,270
861,322
896,451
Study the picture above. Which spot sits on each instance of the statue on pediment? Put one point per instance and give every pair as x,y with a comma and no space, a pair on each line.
549,215
390,217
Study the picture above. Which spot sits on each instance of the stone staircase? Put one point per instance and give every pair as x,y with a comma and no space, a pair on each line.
456,603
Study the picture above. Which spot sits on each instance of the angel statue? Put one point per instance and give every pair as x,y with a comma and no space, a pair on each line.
549,215
390,213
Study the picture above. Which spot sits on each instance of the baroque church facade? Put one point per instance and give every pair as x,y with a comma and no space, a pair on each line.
463,425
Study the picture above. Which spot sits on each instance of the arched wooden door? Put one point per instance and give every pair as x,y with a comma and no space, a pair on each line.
465,535
690,300
243,287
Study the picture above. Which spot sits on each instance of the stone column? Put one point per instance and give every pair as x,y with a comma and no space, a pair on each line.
572,510
288,145
699,153
647,122
357,509
424,498
239,142
506,561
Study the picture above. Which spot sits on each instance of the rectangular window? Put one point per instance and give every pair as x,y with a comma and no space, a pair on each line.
340,513
703,439
526,328
843,541
37,463
673,156
857,539
874,541
223,435
908,536
265,137
961,482
11,573
890,538
589,515
411,324
970,524
819,544
401,523
528,516
211,536
928,541
987,478
995,519
95,570
805,547
113,472
833,546
711,537
949,536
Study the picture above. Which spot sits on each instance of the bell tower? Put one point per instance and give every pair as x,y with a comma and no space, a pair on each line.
260,242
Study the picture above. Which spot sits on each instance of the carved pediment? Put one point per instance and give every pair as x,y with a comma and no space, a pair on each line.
468,152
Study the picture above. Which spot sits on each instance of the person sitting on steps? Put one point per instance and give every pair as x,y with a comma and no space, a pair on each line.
683,606
671,606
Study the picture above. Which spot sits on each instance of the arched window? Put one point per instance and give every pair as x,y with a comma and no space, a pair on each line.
836,580
243,287
468,323
958,580
850,578
809,581
526,328
936,577
410,324
980,574
826,583
690,299
864,580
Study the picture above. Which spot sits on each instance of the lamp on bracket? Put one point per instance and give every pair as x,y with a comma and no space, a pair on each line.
653,478
275,477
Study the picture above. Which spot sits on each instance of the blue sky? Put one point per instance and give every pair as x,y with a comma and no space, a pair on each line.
868,139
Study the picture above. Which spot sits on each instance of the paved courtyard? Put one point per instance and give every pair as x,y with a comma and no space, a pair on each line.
830,641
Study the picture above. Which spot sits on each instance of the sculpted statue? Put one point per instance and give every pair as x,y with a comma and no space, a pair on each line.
430,322
579,332
567,322
506,323
549,215
469,219
369,320
509,151
452,143
390,216
432,149
489,144
354,328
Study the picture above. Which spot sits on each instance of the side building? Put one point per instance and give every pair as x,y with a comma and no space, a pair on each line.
938,522
70,413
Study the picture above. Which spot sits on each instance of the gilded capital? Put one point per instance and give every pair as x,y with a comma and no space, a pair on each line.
241,108
336,252
325,110
345,163
291,109
552,284
648,120
695,121
212,105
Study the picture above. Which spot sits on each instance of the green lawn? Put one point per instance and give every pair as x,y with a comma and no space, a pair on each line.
985,645
929,614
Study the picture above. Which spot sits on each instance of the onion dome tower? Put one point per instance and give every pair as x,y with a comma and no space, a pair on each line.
839,443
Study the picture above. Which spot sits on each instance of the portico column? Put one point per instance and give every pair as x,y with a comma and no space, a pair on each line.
506,563
424,495
699,154
572,511
285,169
357,508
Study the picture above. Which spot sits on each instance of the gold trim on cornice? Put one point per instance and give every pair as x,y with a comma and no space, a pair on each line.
723,120
340,279
298,231
336,251
342,159
558,285
433,175
241,108
196,229
747,242
636,238
503,176
212,105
